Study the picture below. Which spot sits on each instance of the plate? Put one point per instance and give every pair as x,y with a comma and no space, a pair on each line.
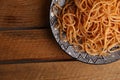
83,57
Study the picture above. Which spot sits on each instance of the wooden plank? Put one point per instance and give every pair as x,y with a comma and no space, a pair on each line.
29,44
60,71
24,13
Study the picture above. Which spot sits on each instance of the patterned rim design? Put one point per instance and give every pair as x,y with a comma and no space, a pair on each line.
83,57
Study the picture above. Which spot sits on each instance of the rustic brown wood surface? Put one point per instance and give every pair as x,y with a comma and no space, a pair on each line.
29,44
24,13
25,35
60,71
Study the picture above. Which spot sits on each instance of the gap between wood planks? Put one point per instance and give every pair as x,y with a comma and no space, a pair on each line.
24,28
34,61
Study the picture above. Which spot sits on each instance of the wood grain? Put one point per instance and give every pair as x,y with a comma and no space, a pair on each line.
60,71
24,13
29,44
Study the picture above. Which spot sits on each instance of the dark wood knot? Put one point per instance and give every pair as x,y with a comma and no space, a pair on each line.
11,19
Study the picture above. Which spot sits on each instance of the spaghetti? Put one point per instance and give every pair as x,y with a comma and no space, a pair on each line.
91,26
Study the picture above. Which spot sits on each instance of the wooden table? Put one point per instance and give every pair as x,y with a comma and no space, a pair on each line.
28,50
